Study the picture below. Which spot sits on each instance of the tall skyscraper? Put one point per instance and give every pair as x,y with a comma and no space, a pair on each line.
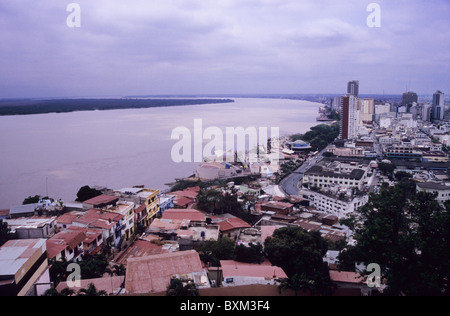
349,117
353,88
409,98
437,106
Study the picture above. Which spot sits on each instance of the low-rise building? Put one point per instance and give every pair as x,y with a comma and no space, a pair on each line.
24,268
277,207
231,227
352,174
442,191
236,273
100,201
333,204
32,227
153,274
195,217
217,170
67,245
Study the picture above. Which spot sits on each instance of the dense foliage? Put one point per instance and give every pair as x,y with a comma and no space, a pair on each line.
408,234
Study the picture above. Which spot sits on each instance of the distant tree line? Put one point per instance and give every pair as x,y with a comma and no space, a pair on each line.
23,107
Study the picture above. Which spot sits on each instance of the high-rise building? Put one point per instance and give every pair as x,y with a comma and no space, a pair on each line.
353,88
349,117
409,98
367,110
437,106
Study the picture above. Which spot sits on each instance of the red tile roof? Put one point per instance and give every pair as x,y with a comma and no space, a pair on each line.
190,214
152,274
345,276
140,248
232,223
102,200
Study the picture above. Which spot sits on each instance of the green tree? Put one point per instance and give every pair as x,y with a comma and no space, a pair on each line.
93,266
408,234
91,291
31,200
300,254
64,292
250,254
177,288
213,251
5,233
387,169
58,270
117,269
209,200
86,192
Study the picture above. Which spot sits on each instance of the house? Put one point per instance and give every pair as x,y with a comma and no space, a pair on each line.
165,202
32,227
101,201
68,245
140,248
278,207
153,274
140,195
24,268
350,281
195,217
22,210
93,241
168,228
110,223
232,226
185,198
236,273
126,209
216,170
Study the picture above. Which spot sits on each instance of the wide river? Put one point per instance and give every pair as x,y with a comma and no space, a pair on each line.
59,153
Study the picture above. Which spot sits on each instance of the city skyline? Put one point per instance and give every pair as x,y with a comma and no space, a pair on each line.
237,47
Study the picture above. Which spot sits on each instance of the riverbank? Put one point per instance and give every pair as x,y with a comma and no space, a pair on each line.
28,107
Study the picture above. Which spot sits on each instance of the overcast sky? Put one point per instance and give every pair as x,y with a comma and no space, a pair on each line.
138,47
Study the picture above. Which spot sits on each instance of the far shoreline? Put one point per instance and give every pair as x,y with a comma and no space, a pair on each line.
33,106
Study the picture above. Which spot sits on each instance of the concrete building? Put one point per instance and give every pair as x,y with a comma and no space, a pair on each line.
32,227
408,98
153,274
437,106
336,173
216,170
442,191
349,117
334,204
236,273
353,88
67,245
24,268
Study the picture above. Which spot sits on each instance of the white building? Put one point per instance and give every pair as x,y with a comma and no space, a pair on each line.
443,191
333,205
335,173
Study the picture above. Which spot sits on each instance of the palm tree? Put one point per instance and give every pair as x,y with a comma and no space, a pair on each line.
116,270
64,292
91,291
296,283
177,288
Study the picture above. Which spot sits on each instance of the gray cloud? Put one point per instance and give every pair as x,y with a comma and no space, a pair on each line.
234,46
